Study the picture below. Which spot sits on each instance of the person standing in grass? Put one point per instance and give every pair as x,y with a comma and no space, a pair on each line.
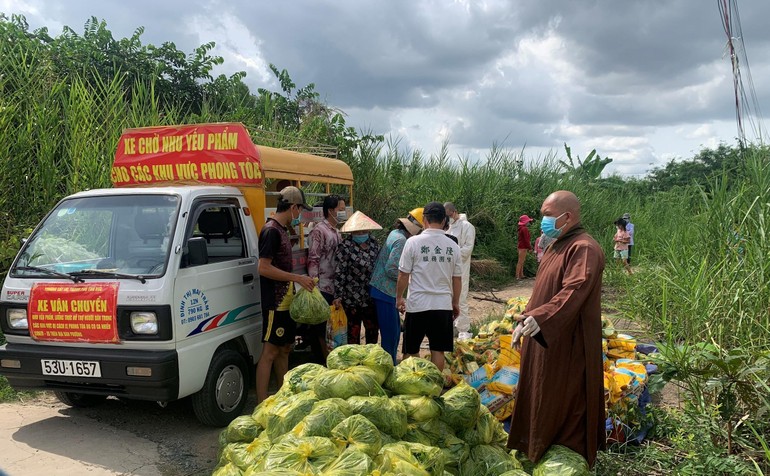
560,396
630,230
355,259
621,239
431,265
542,243
382,286
523,245
465,233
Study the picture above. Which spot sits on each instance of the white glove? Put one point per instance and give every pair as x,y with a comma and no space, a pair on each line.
517,333
530,327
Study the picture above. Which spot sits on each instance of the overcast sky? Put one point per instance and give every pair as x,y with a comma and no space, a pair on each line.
640,81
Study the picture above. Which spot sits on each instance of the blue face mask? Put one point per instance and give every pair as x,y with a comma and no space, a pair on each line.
360,238
295,221
548,226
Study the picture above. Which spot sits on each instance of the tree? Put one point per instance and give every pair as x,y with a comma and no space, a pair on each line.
589,169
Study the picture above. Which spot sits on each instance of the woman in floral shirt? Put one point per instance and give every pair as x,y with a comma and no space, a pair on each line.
323,240
355,258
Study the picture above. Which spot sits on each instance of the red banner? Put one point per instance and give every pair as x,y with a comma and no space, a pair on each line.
197,154
83,312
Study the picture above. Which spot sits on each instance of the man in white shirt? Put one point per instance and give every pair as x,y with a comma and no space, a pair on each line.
431,266
465,232
630,230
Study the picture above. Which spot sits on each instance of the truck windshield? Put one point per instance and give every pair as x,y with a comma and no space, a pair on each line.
116,234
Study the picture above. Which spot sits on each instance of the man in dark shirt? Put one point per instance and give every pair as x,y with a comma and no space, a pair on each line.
276,278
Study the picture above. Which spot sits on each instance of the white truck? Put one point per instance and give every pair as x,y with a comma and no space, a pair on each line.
150,290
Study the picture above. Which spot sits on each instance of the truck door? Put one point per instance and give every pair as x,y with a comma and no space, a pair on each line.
216,293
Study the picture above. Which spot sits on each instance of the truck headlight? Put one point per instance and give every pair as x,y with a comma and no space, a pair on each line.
17,319
144,322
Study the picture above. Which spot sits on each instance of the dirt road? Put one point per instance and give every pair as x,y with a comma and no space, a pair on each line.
45,437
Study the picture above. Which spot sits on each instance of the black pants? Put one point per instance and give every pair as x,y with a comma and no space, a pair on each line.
630,247
366,315
315,334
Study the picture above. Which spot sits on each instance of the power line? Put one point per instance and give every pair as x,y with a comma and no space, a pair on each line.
746,102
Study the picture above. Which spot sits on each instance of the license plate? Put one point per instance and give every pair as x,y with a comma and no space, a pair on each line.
71,368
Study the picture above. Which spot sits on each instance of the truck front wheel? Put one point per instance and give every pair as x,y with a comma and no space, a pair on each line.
224,393
79,400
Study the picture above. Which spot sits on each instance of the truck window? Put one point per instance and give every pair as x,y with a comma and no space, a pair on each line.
219,226
129,234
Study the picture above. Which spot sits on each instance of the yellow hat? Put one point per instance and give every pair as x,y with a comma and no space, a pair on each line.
417,214
359,222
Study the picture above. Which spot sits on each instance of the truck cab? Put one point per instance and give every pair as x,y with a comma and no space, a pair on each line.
147,292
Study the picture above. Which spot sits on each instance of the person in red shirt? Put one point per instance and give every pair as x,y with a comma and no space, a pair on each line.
524,244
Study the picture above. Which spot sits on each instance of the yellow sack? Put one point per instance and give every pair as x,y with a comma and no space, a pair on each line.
336,328
622,341
508,357
480,378
503,413
615,354
504,381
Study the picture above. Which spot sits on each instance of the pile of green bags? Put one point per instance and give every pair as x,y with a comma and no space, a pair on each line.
362,416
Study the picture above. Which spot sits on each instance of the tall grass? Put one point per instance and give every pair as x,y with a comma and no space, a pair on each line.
493,191
703,294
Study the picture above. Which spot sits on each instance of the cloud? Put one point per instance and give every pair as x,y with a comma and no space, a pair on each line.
641,82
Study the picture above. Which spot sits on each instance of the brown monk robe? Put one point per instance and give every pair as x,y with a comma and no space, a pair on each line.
560,396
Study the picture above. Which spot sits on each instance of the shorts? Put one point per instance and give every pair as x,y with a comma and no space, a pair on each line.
621,254
437,325
278,328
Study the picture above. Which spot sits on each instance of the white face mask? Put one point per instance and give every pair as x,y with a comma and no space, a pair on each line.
342,216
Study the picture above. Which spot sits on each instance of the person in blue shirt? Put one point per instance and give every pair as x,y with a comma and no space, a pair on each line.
382,286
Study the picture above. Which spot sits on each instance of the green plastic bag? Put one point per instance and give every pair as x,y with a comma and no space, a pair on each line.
243,429
309,307
286,413
301,378
228,469
308,455
371,356
421,408
324,416
350,463
414,434
561,461
272,472
358,433
485,431
455,450
388,416
485,460
345,383
245,455
461,407
403,456
416,376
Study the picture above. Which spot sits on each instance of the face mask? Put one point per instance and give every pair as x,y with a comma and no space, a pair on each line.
341,216
294,221
360,238
548,226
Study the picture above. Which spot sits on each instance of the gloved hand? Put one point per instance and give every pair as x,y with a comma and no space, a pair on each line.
516,338
530,327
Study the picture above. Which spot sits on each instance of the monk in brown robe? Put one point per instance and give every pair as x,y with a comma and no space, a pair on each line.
560,396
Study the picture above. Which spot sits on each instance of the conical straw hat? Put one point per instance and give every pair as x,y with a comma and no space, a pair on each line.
359,222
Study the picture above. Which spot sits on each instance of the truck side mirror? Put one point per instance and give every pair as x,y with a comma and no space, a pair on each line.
196,253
